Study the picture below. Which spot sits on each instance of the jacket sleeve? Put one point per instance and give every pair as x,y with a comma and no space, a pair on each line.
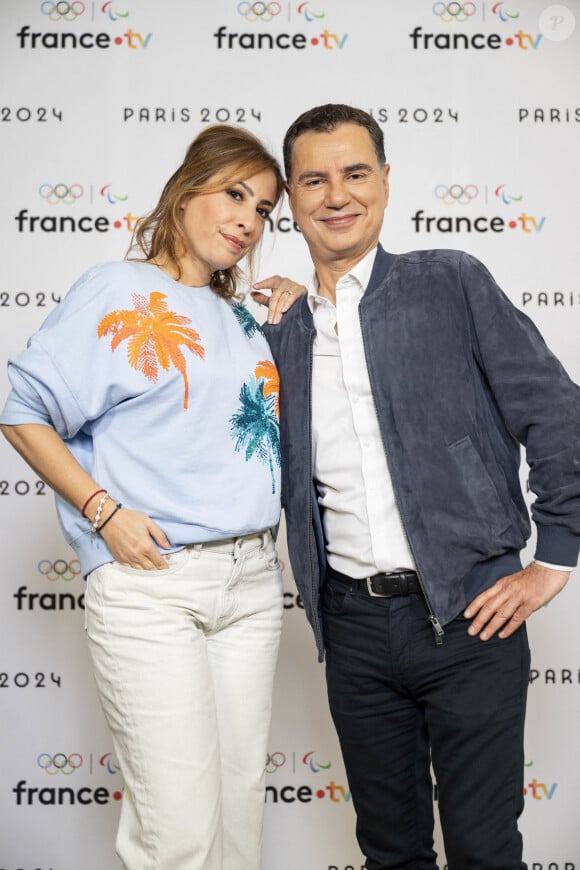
539,403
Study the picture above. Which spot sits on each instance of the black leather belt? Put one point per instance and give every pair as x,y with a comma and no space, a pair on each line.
382,585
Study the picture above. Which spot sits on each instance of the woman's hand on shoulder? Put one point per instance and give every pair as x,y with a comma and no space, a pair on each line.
285,293
130,537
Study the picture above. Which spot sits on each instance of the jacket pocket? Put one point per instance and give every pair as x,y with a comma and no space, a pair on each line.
479,486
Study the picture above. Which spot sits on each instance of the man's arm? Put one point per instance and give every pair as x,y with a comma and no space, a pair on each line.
541,407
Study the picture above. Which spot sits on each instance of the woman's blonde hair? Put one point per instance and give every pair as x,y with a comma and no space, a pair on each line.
220,156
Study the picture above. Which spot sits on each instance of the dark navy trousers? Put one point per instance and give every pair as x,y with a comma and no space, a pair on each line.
399,702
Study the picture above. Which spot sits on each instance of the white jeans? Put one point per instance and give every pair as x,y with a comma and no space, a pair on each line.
184,661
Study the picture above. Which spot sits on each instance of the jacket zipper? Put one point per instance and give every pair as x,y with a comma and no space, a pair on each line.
317,632
438,630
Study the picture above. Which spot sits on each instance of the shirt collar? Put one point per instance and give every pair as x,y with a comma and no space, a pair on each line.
360,272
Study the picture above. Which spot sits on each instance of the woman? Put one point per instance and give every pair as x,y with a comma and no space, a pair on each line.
148,401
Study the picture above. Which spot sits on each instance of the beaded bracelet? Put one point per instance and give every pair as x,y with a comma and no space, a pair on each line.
97,519
90,498
110,517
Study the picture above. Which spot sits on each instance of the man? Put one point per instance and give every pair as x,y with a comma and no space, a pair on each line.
407,383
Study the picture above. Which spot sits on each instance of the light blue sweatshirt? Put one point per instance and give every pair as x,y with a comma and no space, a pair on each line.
166,394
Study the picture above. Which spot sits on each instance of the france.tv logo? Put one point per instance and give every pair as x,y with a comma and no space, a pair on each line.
273,13
77,14
501,14
60,199
459,200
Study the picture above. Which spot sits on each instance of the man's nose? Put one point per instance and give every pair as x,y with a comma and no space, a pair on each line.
337,194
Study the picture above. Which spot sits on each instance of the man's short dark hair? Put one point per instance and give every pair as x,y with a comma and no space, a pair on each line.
325,119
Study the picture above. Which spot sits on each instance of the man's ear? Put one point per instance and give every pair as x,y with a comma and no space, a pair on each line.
386,171
288,190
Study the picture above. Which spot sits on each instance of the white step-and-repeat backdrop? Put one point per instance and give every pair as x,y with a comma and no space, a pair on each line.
480,105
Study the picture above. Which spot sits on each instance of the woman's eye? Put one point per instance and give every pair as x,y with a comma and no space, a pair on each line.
264,213
235,194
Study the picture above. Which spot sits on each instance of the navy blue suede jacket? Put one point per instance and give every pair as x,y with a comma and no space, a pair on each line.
460,378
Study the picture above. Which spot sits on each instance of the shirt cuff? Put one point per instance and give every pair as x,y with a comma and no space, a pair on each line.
555,567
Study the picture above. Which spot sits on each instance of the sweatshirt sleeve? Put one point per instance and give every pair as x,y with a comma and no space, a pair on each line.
67,376
40,395
540,405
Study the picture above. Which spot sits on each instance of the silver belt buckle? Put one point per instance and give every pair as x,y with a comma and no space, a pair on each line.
372,593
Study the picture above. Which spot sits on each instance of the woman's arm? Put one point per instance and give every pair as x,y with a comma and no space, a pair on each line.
129,536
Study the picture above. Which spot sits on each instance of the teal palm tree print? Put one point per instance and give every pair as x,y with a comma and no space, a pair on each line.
246,320
255,425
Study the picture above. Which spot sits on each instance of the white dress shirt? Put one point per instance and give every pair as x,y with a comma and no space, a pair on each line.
362,524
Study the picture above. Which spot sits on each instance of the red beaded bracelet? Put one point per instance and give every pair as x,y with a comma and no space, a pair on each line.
90,498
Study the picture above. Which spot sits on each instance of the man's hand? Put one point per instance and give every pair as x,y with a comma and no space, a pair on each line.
512,599
284,294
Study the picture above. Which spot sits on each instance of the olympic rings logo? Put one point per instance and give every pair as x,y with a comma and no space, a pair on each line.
61,193
274,761
59,763
259,11
59,570
455,193
454,11
60,10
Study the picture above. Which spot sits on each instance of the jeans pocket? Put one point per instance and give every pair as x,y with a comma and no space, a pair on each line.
335,599
174,562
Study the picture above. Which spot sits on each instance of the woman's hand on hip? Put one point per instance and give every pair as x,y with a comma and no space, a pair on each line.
130,537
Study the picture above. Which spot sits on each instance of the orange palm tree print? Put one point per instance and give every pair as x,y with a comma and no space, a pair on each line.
269,372
154,335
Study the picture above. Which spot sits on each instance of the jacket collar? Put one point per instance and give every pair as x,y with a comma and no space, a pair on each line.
381,267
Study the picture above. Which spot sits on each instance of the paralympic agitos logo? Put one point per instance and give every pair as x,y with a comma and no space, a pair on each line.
76,16
61,196
457,203
310,13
